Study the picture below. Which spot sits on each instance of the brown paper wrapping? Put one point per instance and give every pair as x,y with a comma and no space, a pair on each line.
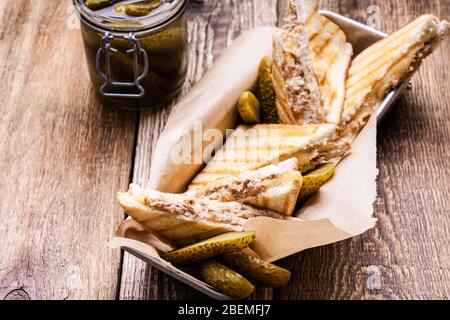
342,209
213,101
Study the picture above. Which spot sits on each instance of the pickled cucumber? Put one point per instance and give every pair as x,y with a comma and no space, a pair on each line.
168,61
314,180
249,108
123,24
209,248
119,8
143,8
226,280
124,71
266,93
162,85
99,4
167,41
256,270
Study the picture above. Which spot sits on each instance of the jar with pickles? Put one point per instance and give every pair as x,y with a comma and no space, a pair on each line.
136,50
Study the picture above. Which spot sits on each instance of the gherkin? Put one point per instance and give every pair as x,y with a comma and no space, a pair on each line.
315,179
142,8
225,280
210,248
136,9
266,93
99,4
249,108
256,270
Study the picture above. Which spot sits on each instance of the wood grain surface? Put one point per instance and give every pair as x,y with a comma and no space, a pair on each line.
63,156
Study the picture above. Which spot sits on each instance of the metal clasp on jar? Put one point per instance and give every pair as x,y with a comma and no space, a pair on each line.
105,51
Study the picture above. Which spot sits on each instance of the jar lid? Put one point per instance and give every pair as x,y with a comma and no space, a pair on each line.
109,19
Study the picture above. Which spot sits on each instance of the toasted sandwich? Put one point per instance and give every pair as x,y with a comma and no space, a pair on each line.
384,65
253,147
182,219
331,54
274,187
297,90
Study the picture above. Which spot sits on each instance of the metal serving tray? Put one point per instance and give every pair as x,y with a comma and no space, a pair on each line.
361,37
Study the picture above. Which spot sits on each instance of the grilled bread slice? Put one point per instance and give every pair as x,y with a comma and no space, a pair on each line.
252,147
384,65
330,51
183,219
297,91
274,187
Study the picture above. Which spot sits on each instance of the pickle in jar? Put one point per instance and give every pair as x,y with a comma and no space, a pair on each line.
134,9
99,4
142,8
165,48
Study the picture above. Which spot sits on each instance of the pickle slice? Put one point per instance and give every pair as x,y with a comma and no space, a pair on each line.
143,8
258,271
210,248
226,280
266,93
99,4
249,108
314,180
119,8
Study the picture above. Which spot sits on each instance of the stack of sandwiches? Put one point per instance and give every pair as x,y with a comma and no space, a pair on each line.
323,100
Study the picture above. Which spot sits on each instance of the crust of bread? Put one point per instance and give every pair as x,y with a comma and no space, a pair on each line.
252,147
181,218
384,65
274,187
295,83
331,54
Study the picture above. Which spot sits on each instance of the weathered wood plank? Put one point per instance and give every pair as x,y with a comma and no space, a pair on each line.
62,158
212,27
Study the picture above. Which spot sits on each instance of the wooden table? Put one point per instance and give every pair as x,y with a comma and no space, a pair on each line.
63,156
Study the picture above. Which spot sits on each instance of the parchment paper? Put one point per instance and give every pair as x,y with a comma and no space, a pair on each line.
342,209
213,101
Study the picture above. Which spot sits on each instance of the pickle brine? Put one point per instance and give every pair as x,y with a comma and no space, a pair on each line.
165,48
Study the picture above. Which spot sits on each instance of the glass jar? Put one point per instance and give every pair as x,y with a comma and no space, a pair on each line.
136,62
